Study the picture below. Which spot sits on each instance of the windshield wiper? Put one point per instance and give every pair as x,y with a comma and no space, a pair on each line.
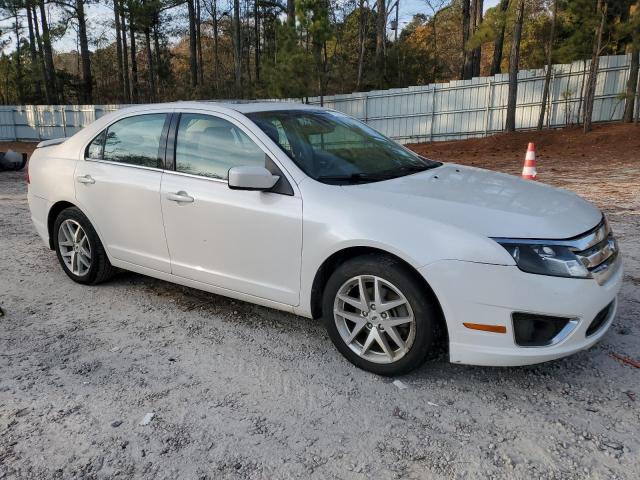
403,170
419,168
383,175
357,177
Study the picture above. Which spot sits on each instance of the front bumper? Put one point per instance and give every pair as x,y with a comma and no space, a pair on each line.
488,294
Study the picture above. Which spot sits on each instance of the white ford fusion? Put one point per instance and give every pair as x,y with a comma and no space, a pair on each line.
311,211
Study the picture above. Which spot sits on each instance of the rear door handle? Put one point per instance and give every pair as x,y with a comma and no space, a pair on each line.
86,179
180,197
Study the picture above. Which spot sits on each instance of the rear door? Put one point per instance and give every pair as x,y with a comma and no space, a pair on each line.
118,187
245,241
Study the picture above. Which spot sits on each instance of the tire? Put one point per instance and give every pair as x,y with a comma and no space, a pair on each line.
99,268
396,282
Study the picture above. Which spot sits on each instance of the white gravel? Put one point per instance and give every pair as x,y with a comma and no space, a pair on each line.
240,391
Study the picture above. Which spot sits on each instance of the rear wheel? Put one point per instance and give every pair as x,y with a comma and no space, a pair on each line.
379,316
79,249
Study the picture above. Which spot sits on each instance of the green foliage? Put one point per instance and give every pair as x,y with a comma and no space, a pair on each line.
289,73
320,55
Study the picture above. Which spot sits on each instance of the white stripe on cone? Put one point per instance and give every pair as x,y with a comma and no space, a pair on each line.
529,169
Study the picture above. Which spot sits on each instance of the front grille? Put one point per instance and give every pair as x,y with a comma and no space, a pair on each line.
599,320
597,250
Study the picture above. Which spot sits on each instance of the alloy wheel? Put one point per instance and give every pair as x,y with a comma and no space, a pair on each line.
74,246
374,319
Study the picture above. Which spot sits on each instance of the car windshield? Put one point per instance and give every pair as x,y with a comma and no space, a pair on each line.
334,148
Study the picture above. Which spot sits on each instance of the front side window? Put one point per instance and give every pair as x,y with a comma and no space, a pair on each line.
335,148
132,140
209,146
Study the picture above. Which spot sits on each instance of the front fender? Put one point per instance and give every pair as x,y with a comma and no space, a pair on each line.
417,240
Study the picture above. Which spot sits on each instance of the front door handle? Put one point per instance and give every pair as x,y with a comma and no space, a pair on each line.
86,179
180,197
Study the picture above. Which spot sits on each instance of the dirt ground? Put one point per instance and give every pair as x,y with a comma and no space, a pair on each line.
241,391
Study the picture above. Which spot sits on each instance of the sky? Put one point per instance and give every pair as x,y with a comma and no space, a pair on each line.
408,8
101,15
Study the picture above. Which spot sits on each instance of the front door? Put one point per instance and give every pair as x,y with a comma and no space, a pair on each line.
118,187
245,241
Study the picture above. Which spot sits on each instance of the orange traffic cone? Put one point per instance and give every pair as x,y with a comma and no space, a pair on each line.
529,170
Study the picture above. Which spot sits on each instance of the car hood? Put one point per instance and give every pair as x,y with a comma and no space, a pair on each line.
483,202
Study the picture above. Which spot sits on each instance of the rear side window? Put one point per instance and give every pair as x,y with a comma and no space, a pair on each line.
209,146
132,140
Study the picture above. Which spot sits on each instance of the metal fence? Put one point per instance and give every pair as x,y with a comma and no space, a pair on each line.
440,111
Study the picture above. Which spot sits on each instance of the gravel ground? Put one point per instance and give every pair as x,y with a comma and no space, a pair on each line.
240,391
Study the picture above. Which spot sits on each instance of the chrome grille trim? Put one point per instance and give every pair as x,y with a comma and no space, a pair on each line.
598,251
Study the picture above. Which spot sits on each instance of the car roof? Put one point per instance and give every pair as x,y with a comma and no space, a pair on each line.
248,107
241,106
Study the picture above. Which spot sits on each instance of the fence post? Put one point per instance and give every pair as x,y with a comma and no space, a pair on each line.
550,98
15,124
636,96
64,120
433,109
366,107
37,122
487,110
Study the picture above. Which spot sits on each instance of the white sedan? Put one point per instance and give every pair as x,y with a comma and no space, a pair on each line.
310,211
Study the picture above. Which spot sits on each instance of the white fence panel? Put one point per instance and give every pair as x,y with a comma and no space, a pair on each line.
442,111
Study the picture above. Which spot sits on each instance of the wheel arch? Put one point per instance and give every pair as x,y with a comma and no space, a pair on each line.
334,260
54,211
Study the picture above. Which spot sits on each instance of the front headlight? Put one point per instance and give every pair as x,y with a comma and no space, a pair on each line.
534,257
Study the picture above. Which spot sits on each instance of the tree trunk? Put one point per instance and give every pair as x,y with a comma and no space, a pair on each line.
134,60
237,51
150,65
362,32
514,60
116,14
291,13
19,79
436,60
43,68
593,69
125,53
193,54
216,58
199,41
33,55
381,36
248,46
547,76
498,43
637,119
51,79
159,66
256,32
87,80
472,69
466,20
632,82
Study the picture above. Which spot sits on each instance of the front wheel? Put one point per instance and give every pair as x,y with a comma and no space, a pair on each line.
79,249
379,316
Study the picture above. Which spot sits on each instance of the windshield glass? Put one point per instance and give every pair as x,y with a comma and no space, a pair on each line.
335,148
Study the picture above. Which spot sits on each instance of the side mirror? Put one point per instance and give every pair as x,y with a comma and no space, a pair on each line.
251,178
